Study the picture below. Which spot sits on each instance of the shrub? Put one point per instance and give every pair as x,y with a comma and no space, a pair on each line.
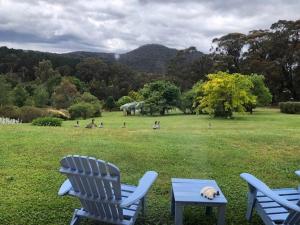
28,113
47,121
123,100
59,113
11,112
83,109
290,107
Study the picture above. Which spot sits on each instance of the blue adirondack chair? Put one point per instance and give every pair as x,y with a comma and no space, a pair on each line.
277,206
97,185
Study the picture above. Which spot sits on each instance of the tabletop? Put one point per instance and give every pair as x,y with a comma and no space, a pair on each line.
188,191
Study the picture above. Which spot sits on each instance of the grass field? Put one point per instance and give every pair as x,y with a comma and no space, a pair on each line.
266,144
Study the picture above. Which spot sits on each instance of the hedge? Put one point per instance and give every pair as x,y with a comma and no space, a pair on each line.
47,121
290,107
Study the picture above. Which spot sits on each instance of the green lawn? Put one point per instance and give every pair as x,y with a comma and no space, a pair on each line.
266,144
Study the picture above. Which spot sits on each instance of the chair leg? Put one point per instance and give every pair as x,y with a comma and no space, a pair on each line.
251,202
143,205
75,218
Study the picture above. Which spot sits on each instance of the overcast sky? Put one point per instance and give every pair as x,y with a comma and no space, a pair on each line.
122,25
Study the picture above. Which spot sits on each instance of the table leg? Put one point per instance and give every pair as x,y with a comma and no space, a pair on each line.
221,215
172,203
208,211
178,214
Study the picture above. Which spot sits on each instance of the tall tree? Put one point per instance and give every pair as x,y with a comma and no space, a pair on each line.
228,52
64,94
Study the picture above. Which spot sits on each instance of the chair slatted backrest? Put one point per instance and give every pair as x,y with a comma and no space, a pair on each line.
97,185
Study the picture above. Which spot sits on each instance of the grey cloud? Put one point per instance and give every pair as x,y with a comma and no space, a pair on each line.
121,25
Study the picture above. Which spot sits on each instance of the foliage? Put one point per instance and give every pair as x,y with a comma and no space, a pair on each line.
64,95
274,53
228,52
62,113
264,97
136,96
9,111
28,113
19,95
47,121
290,107
259,89
225,93
80,85
187,100
83,110
44,71
123,100
92,68
88,97
189,66
110,103
40,97
5,89
160,96
52,83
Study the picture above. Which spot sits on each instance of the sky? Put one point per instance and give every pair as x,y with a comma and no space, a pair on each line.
122,25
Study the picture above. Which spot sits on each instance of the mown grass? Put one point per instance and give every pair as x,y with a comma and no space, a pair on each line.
266,144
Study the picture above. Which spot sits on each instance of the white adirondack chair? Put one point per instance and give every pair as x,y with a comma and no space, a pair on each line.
97,185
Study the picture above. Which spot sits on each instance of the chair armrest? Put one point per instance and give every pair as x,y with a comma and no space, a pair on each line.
262,187
144,185
65,188
297,172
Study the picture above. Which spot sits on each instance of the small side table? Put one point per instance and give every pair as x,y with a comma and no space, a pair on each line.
187,192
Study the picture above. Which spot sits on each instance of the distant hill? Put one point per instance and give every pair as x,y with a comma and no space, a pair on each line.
151,58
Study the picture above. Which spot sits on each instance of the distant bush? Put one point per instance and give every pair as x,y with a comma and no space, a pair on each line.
123,100
84,110
47,121
290,107
28,113
11,112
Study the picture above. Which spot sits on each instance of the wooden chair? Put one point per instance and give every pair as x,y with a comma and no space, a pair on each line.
97,185
277,206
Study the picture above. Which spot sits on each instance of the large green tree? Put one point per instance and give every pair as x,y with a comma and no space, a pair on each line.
160,96
226,93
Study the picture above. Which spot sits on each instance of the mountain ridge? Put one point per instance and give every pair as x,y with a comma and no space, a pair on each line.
150,58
